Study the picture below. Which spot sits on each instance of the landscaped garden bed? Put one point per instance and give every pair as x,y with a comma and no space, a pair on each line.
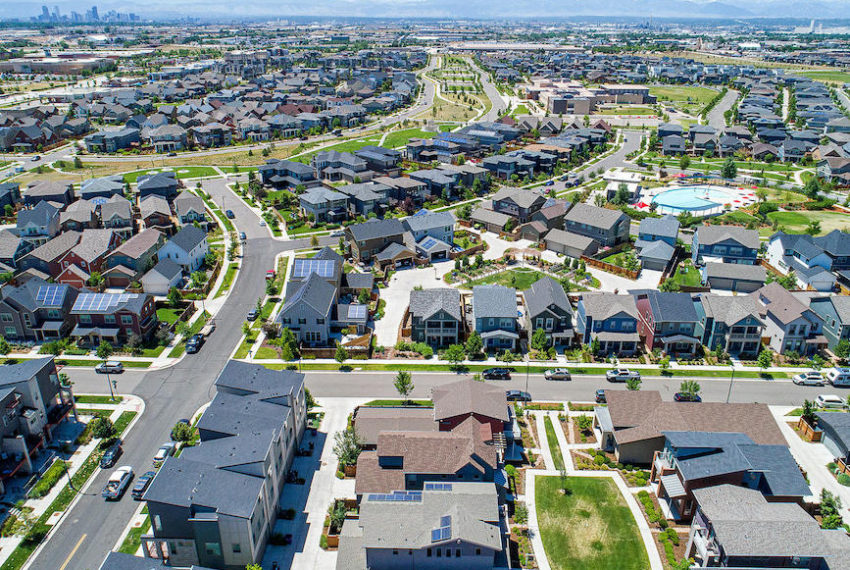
595,460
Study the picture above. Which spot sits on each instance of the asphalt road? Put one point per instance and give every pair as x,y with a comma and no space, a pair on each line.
492,93
715,116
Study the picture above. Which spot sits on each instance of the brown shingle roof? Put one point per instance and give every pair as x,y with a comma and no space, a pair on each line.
369,422
469,396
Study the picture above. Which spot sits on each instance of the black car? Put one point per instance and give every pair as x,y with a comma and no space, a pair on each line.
229,214
600,397
194,343
111,455
684,397
142,484
496,374
518,396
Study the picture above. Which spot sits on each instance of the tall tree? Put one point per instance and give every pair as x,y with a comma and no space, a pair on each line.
403,384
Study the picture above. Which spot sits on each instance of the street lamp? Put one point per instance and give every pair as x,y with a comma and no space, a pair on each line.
109,383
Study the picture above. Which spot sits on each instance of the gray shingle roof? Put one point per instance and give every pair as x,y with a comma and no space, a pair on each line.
602,306
667,226
593,216
429,220
315,292
168,268
426,302
376,229
188,238
494,301
736,271
544,293
709,235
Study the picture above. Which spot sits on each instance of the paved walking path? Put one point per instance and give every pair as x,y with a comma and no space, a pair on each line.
543,441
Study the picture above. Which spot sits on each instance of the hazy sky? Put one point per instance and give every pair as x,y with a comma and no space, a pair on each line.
456,8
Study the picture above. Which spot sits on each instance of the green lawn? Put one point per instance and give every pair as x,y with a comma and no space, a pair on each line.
196,327
399,138
95,399
687,275
690,99
797,222
827,76
589,527
228,279
521,109
520,279
168,315
92,363
133,540
627,111
554,446
180,171
394,403
266,353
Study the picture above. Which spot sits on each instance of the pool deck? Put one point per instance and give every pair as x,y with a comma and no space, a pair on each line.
738,197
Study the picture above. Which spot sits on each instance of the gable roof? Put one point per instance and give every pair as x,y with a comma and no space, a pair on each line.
544,293
711,234
602,306
468,396
188,238
315,292
493,301
424,303
375,228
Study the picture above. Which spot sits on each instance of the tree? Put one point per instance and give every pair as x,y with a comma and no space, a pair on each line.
102,428
830,510
633,384
729,169
761,194
9,210
403,384
684,162
182,432
198,279
95,279
5,347
174,296
341,355
454,354
841,350
104,350
765,359
507,357
347,446
689,388
539,340
813,228
314,241
474,344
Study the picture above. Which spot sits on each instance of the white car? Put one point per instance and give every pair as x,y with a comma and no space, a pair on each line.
117,483
830,401
109,367
621,375
557,374
165,450
811,378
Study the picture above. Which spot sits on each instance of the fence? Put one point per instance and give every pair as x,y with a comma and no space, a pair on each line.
809,432
610,268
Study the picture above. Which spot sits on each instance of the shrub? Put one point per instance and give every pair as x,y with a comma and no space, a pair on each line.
323,542
844,479
52,476
520,513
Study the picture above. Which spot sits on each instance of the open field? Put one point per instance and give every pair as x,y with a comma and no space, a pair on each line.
396,139
835,76
690,99
588,527
797,222
627,110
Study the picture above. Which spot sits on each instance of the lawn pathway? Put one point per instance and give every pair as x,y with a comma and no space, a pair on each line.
543,442
562,442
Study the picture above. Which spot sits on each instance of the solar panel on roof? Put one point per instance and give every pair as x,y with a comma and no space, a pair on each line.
429,243
50,295
357,311
321,267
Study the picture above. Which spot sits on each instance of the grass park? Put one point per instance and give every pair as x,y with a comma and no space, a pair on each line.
589,526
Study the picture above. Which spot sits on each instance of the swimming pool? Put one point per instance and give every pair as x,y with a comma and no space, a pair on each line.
702,200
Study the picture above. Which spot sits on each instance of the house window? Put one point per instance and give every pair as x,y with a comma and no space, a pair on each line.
477,552
428,553
109,319
395,552
237,548
11,332
126,320
85,319
213,548
6,318
457,553
302,321
439,553
320,321
53,314
287,321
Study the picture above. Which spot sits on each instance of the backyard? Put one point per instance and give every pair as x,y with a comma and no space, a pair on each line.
798,221
687,275
589,526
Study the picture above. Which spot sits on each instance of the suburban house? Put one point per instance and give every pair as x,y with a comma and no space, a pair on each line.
45,258
495,316
217,503
334,166
86,257
287,173
134,257
518,203
549,309
443,526
190,208
160,278
34,403
308,311
60,192
668,322
608,227
834,311
696,460
570,244
435,316
836,433
39,223
433,233
737,527
163,184
187,248
323,205
733,324
156,213
36,310
104,187
727,244
633,424
656,241
740,278
112,141
790,324
609,319
112,317
368,239
805,257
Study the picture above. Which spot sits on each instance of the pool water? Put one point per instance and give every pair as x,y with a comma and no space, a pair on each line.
693,198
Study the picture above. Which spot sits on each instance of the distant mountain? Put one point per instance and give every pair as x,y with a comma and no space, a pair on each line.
484,9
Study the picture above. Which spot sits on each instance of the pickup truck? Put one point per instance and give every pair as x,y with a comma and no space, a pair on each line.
621,375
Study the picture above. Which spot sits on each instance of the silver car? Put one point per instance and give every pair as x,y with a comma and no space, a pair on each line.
109,367
811,378
557,374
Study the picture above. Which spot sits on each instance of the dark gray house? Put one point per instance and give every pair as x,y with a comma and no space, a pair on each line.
608,227
495,316
548,308
435,316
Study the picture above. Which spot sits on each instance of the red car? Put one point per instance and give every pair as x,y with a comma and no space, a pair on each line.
270,274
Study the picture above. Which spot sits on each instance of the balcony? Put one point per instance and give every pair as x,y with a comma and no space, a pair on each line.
706,547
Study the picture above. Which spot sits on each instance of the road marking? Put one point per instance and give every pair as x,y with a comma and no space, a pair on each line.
73,552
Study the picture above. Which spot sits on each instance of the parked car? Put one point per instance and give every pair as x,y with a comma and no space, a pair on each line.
172,153
518,396
109,367
142,484
242,236
621,375
839,377
600,396
810,378
229,214
165,450
270,274
36,158
549,183
117,483
194,343
262,223
253,314
685,397
111,455
830,401
496,374
557,374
